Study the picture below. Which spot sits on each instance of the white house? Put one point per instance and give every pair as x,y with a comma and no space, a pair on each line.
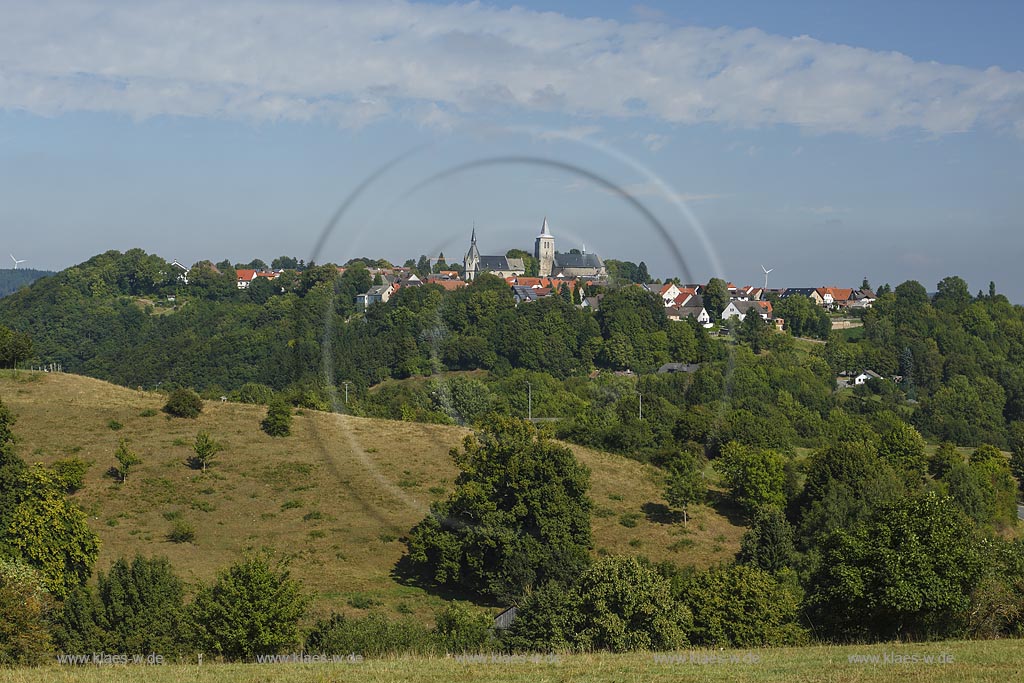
697,312
863,377
669,292
377,294
741,308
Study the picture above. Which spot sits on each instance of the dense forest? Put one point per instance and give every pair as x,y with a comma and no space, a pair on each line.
13,279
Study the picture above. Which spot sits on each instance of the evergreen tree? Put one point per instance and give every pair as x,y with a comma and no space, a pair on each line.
278,421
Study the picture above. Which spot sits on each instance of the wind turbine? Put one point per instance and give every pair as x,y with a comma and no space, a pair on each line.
16,261
766,271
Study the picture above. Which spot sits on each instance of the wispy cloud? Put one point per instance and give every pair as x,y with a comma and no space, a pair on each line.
360,62
655,141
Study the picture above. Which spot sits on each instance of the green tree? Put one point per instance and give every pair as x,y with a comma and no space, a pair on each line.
519,515
184,402
685,481
278,421
15,347
755,477
625,605
716,297
908,572
205,449
253,608
943,460
619,604
462,631
126,459
769,543
742,606
903,446
49,533
753,330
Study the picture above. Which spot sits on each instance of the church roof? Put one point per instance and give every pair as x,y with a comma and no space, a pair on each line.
501,263
578,260
544,232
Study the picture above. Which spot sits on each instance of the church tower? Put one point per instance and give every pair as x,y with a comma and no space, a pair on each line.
472,264
544,251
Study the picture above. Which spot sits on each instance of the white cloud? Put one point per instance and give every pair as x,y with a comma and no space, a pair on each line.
655,141
357,62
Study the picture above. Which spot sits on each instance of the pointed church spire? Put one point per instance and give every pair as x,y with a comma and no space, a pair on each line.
472,240
544,228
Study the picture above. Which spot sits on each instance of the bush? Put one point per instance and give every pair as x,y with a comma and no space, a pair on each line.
251,392
184,402
252,609
460,631
370,636
278,421
742,606
70,473
138,608
182,532
24,616
620,604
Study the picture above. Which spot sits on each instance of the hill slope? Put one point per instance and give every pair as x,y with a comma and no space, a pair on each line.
337,495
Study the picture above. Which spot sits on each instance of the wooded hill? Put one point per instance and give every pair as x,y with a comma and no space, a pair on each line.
11,279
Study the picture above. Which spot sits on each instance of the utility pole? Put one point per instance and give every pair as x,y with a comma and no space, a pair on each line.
529,402
346,392
641,405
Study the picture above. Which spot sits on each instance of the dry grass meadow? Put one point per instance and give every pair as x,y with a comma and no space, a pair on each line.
336,496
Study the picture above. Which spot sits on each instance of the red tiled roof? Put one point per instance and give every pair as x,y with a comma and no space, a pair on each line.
450,285
245,274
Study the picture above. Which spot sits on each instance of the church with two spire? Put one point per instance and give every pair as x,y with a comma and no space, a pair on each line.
550,263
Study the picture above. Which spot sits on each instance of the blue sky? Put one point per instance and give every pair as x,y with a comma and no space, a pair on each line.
829,141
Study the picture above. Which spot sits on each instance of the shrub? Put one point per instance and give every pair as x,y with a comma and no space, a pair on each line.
742,606
114,425
251,392
182,532
138,608
460,631
184,402
24,615
620,604
278,421
370,636
70,473
253,608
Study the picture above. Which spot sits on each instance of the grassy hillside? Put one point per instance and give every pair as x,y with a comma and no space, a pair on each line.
337,495
971,661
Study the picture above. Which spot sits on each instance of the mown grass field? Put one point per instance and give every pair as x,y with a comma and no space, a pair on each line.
995,661
336,496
